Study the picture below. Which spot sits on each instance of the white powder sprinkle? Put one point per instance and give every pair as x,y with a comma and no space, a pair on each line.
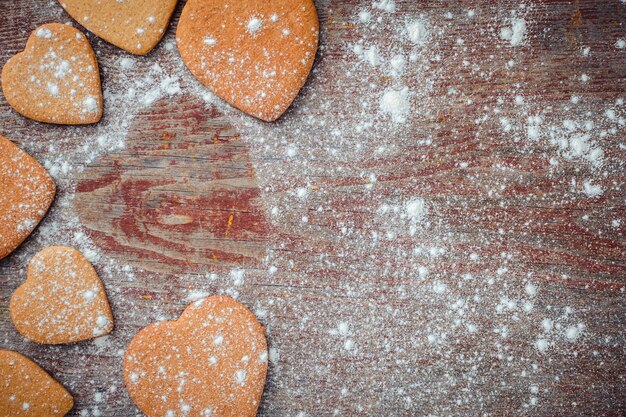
274,355
90,105
542,345
398,63
365,16
53,89
102,321
197,295
415,208
44,33
396,104
388,6
515,34
302,192
572,333
591,189
240,376
417,32
237,276
531,289
254,25
126,63
372,56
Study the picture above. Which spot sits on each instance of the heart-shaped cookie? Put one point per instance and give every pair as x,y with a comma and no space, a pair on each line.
255,54
27,390
56,78
212,361
26,194
133,25
62,299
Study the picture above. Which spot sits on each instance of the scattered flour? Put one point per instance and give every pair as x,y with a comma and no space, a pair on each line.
254,25
417,32
388,6
44,33
591,189
516,33
385,234
396,104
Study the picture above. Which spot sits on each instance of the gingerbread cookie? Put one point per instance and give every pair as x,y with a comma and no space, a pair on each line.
133,25
26,194
62,299
55,79
255,54
212,361
27,390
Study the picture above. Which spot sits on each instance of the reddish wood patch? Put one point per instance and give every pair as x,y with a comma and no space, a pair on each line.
182,193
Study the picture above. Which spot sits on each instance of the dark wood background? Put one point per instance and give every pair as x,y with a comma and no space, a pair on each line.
368,311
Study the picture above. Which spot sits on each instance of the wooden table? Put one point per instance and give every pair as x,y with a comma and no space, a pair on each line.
470,261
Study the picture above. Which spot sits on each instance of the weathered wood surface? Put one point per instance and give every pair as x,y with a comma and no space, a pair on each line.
372,311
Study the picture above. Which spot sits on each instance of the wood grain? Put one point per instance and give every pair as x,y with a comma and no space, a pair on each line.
180,195
204,199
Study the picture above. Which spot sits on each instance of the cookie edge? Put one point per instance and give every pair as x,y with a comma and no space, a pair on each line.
194,305
50,185
21,287
29,45
29,362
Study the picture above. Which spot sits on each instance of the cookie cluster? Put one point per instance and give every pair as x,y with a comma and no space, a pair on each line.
212,361
255,55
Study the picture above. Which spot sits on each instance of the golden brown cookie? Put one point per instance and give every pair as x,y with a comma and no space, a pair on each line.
62,299
56,78
26,194
255,54
133,25
27,390
212,361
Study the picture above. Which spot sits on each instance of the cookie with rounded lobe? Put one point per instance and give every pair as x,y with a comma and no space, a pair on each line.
27,390
56,78
27,191
212,361
254,54
136,26
62,300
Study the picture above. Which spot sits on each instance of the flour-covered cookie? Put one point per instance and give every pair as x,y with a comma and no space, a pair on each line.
255,54
27,390
136,26
62,299
212,361
56,78
26,192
